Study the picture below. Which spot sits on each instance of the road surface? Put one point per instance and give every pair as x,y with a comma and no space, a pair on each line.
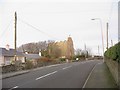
67,75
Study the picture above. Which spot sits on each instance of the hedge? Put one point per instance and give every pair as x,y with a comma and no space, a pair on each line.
113,53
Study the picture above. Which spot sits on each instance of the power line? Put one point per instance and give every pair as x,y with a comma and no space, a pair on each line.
37,29
4,31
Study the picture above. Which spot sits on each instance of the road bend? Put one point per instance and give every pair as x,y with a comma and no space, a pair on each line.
67,75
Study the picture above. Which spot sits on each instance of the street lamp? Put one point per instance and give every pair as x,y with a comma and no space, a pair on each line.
101,34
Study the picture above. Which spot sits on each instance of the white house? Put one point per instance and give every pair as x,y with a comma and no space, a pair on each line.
33,57
7,56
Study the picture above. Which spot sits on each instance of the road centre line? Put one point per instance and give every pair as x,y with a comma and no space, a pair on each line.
53,65
66,67
45,67
45,75
38,78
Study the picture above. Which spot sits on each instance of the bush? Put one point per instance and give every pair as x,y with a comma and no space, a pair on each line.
9,68
113,52
45,59
28,65
118,52
62,59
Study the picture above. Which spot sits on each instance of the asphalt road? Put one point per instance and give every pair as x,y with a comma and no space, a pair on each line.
68,75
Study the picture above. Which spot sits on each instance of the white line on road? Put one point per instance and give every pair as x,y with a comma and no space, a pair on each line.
53,65
14,87
66,67
45,75
45,67
88,77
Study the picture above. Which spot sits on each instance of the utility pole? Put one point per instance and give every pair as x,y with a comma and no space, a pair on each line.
111,43
85,51
107,36
15,37
23,49
98,50
85,46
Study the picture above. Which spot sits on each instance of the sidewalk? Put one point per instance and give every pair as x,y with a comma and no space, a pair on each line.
101,78
7,75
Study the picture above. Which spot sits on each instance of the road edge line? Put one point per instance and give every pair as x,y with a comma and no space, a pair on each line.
13,88
89,75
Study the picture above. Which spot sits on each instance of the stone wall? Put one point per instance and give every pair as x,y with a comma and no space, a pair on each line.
8,68
114,69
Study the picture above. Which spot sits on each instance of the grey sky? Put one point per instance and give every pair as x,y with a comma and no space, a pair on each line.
59,19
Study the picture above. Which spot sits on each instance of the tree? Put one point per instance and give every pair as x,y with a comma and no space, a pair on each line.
78,51
54,50
33,47
89,52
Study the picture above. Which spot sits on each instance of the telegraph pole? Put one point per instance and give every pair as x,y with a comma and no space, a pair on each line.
15,37
107,36
111,43
85,51
98,51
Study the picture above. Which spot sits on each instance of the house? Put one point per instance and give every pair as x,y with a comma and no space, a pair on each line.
7,56
32,57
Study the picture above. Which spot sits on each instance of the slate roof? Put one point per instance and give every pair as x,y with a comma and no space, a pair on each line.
10,52
32,56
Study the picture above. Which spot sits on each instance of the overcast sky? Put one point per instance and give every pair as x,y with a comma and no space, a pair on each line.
57,19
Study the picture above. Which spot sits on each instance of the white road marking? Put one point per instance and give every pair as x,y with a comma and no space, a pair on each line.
66,67
53,65
45,67
14,87
88,77
45,75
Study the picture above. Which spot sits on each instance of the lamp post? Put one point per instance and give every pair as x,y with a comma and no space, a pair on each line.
101,34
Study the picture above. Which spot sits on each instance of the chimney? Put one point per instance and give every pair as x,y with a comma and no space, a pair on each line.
39,53
7,47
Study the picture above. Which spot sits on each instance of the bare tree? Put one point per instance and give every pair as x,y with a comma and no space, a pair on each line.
78,51
89,51
34,47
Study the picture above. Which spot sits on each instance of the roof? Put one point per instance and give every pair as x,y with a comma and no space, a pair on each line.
32,56
10,52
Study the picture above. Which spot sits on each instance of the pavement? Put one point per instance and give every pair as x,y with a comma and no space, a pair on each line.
90,74
12,74
101,78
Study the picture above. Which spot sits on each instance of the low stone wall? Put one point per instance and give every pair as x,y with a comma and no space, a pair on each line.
18,66
8,68
113,67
